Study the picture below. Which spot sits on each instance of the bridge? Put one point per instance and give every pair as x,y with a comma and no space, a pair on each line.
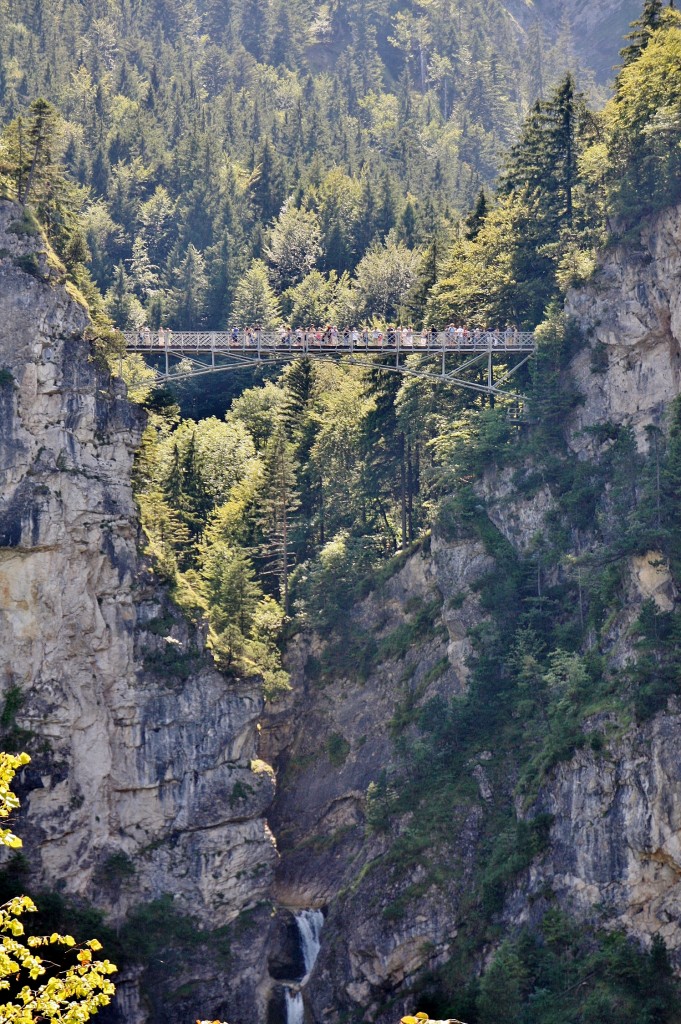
483,361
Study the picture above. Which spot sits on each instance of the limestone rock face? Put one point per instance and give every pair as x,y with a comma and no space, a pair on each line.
626,811
331,744
141,783
614,855
631,315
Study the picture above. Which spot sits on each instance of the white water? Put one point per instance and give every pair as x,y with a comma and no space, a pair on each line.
309,929
295,1010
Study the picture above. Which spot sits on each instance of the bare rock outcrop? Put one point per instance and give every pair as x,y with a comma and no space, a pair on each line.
631,315
141,785
625,870
613,855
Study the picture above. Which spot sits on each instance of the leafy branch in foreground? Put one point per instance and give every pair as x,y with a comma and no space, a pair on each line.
39,990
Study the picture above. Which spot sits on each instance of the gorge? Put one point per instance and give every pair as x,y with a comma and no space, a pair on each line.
150,781
351,686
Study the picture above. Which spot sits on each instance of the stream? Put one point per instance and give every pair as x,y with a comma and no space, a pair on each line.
309,924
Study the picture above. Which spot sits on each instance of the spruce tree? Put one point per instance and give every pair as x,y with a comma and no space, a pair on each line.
279,505
641,31
476,217
301,427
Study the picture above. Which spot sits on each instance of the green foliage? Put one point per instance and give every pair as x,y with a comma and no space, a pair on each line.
298,134
12,736
158,927
569,973
397,643
644,122
541,233
254,301
514,850
337,748
117,867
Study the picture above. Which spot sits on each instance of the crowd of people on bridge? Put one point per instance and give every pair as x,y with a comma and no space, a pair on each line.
255,336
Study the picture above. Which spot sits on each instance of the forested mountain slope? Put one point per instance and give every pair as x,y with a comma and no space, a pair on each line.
461,612
191,122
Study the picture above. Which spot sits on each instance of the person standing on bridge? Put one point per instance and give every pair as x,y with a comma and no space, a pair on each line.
161,336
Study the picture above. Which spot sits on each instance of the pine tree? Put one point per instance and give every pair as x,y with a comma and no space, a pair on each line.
41,130
408,225
144,274
385,457
188,297
476,218
385,210
269,187
121,305
641,31
279,505
544,163
301,428
232,588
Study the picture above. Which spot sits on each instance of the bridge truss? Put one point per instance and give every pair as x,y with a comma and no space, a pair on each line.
483,361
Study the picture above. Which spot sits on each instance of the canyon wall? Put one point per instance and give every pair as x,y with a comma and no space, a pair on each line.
149,788
143,789
614,851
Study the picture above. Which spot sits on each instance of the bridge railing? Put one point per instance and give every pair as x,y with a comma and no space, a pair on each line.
256,342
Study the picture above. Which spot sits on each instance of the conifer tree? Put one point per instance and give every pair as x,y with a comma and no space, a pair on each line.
269,186
385,461
188,296
301,428
232,587
476,217
641,31
279,505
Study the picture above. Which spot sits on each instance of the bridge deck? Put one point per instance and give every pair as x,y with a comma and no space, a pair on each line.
215,342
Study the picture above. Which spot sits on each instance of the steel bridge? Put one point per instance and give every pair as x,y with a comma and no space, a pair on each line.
483,361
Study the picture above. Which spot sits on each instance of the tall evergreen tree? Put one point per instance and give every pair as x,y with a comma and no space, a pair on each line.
279,504
641,31
476,217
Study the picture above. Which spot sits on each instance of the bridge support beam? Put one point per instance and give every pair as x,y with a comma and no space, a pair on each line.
206,352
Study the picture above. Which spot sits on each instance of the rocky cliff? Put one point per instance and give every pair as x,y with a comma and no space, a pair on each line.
142,792
612,855
148,792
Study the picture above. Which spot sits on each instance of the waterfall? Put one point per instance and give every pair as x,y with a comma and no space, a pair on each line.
309,928
309,924
295,1011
